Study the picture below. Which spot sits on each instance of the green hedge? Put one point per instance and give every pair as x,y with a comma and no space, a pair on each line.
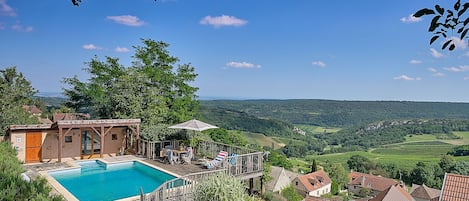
13,186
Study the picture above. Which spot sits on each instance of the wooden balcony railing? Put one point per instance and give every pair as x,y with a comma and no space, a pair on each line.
241,162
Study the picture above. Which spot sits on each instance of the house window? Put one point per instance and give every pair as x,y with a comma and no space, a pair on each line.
68,138
114,136
317,192
18,140
296,183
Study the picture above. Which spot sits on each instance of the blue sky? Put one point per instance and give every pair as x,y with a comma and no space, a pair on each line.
322,49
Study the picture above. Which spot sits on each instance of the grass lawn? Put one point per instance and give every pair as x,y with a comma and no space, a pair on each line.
262,140
464,140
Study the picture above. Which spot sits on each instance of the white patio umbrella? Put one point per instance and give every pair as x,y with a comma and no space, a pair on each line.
194,124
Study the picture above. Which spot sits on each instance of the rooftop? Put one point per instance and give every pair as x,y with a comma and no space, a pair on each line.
455,188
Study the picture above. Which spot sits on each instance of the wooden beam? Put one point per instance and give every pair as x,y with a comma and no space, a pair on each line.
59,144
101,150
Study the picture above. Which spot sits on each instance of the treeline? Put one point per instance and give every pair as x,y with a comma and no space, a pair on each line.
388,132
332,113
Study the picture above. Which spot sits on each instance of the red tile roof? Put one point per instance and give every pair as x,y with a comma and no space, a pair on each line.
455,188
32,109
424,192
393,193
70,116
314,180
376,183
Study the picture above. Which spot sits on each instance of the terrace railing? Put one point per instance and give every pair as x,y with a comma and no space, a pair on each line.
241,162
181,188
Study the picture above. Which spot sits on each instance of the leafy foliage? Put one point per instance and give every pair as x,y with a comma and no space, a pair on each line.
277,159
221,187
447,22
12,184
290,194
150,89
15,91
360,163
462,150
227,137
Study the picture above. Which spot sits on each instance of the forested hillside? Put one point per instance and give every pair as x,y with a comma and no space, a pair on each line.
331,113
388,132
236,120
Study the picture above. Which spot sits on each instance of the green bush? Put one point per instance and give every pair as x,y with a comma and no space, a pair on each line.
13,186
220,187
290,194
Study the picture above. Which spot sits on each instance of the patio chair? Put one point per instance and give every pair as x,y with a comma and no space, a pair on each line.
170,158
233,159
215,162
186,158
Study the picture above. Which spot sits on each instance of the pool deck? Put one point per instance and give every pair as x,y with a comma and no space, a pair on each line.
40,169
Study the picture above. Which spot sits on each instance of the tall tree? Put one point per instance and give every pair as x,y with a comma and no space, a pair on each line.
15,91
150,89
314,166
360,163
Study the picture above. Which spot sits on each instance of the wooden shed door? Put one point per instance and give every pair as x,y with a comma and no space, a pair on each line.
33,146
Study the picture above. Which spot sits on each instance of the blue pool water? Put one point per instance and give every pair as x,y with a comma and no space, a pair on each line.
98,181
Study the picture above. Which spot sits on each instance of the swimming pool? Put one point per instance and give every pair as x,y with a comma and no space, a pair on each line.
96,180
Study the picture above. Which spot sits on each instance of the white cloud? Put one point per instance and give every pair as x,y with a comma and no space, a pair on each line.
91,47
243,64
438,74
435,53
121,49
319,63
466,78
21,28
414,61
128,20
223,20
458,43
458,69
5,9
411,19
435,72
407,78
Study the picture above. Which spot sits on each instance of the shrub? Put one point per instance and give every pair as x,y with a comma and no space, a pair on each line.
13,186
220,187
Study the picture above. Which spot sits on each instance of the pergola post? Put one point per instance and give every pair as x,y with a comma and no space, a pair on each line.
101,150
59,144
137,138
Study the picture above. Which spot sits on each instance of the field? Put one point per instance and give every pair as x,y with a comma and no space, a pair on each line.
425,148
263,140
317,129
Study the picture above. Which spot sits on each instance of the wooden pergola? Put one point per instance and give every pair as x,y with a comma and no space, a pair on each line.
102,127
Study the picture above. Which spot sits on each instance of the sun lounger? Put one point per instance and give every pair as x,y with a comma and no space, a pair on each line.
215,162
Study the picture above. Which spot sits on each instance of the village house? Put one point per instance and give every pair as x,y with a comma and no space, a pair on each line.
314,184
367,182
424,193
455,188
393,193
73,138
281,178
